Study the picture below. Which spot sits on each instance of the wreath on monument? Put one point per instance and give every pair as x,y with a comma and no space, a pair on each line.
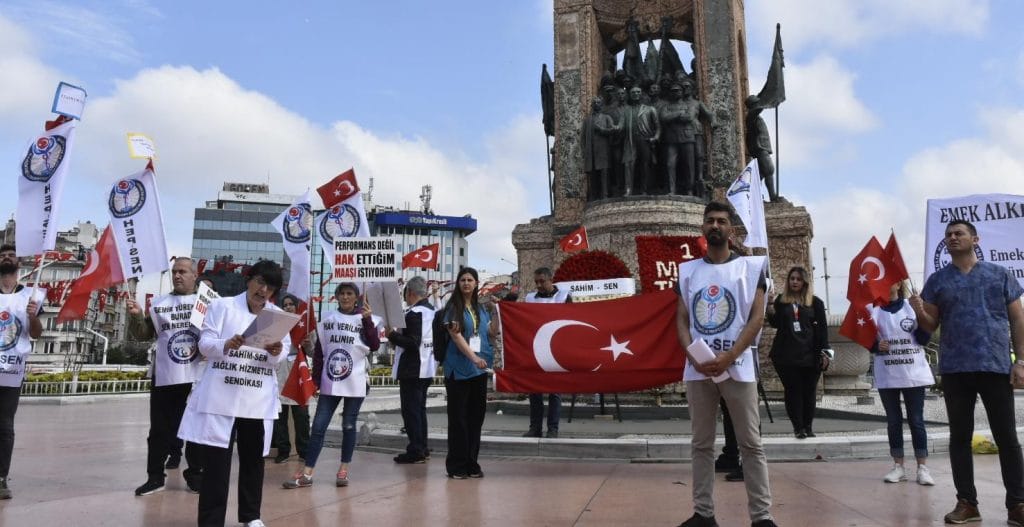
591,265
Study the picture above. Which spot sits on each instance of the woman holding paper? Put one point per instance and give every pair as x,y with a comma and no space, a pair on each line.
235,401
797,352
345,339
466,362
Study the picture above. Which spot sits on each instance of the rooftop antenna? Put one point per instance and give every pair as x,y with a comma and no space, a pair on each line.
369,192
425,198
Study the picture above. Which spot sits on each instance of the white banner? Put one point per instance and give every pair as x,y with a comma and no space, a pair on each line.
999,219
745,196
295,225
138,224
344,220
43,170
366,259
593,290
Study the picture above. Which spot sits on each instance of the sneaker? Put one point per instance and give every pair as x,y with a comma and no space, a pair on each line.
766,522
735,475
963,513
457,475
281,458
924,476
476,475
1015,515
896,475
532,433
552,434
699,521
173,462
255,523
298,481
5,492
341,480
800,434
407,459
149,487
810,433
726,463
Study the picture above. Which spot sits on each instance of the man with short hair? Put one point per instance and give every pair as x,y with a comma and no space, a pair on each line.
414,367
721,300
18,311
977,304
175,368
547,293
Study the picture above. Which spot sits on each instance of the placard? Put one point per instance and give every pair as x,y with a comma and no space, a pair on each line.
371,259
69,100
385,300
140,146
204,295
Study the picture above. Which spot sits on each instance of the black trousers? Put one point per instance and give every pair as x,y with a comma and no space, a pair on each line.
281,441
213,495
961,391
800,387
9,396
467,406
413,394
166,406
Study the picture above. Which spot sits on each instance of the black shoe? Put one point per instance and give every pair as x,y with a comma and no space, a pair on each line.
281,458
726,463
149,487
532,433
800,434
699,521
193,484
5,491
173,462
552,434
767,522
735,475
406,459
809,432
457,475
476,475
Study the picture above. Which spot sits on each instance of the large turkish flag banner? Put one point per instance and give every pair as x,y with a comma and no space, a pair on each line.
611,346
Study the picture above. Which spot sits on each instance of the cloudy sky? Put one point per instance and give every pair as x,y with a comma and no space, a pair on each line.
890,102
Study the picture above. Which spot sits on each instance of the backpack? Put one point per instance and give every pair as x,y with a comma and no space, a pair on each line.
441,336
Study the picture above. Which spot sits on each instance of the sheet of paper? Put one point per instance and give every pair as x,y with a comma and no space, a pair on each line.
385,300
204,295
270,326
700,352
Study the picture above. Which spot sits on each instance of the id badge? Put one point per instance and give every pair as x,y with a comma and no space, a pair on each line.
474,344
796,326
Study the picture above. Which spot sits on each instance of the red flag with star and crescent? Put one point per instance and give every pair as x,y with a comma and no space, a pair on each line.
305,325
425,257
339,189
610,346
575,240
872,272
299,387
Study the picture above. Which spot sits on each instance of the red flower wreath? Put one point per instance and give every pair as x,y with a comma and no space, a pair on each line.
591,265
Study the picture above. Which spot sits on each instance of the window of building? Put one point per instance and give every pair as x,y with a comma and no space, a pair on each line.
462,252
48,347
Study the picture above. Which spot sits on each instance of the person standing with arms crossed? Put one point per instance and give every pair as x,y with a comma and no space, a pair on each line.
20,310
977,305
175,368
722,302
546,293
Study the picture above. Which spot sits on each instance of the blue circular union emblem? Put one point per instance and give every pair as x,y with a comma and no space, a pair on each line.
942,257
182,347
43,158
10,330
341,221
127,197
339,365
297,223
908,324
714,309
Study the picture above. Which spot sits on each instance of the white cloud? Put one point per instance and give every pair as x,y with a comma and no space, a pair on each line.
26,85
851,23
87,31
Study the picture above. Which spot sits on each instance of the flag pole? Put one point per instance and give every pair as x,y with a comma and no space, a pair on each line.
777,165
39,273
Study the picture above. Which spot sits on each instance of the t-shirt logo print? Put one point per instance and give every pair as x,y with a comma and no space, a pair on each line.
942,257
714,309
339,365
43,158
341,221
182,347
126,198
10,330
297,224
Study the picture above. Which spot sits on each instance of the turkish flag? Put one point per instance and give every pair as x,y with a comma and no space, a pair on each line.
299,387
201,266
870,276
609,346
102,269
342,187
425,257
149,301
897,265
575,241
858,325
305,325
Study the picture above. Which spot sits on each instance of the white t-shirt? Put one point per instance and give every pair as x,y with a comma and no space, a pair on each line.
177,341
428,365
345,355
905,364
15,344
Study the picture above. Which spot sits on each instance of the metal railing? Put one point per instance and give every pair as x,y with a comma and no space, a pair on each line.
386,380
85,387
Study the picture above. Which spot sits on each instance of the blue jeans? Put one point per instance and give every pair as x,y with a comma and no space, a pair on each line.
325,407
537,411
913,398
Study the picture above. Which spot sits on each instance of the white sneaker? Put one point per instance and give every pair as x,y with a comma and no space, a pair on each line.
256,523
896,475
924,476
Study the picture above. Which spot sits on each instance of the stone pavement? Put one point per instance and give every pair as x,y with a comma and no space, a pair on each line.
78,464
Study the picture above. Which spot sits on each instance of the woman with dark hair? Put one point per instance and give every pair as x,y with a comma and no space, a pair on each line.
798,350
466,362
349,335
235,401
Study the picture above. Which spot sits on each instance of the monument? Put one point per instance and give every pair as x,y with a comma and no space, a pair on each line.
641,143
